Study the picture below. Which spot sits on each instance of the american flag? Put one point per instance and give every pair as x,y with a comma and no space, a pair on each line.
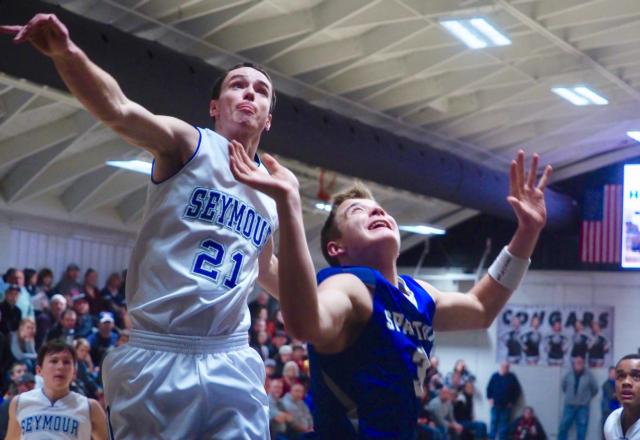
601,228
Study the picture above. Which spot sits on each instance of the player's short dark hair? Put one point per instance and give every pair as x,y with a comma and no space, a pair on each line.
632,356
217,85
330,230
55,346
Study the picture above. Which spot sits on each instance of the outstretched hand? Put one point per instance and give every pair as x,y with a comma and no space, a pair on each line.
527,198
44,31
277,184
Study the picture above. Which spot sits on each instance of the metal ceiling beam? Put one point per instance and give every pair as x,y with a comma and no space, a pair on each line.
300,130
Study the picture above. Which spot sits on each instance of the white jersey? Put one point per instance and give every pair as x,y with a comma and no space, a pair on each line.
66,418
196,256
613,428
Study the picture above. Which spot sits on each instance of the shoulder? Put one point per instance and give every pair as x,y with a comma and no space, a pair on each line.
345,283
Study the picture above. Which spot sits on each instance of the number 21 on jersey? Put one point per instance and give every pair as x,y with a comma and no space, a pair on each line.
210,263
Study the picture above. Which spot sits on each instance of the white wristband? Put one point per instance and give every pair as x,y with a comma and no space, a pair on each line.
509,270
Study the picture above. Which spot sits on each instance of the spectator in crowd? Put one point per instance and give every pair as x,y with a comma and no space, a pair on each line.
66,327
299,356
278,339
86,376
104,340
45,282
441,410
278,417
301,420
270,368
25,383
579,387
598,346
5,280
113,299
11,314
463,412
49,319
624,423
23,344
461,368
453,381
85,322
503,392
427,429
263,299
283,356
92,292
609,401
434,379
17,370
290,375
68,285
24,299
276,324
527,427
30,281
5,359
261,344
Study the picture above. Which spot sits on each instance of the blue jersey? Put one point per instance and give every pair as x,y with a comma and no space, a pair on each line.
373,388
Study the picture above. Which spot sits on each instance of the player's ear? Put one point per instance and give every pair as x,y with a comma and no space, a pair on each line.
38,370
213,108
335,249
267,125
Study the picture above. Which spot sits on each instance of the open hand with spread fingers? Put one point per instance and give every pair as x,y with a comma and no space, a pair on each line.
44,31
525,196
278,184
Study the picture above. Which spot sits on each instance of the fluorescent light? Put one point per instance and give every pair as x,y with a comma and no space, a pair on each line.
323,206
635,135
138,166
570,96
464,34
490,32
591,95
422,229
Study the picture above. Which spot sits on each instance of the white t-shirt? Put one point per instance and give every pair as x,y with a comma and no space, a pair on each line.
66,418
613,428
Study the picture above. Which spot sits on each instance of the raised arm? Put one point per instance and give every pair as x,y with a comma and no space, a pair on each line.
480,306
312,313
101,95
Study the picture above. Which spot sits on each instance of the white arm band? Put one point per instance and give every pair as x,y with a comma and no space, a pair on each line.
509,270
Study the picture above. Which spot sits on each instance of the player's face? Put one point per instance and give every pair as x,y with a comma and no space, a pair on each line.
57,370
628,382
363,226
245,99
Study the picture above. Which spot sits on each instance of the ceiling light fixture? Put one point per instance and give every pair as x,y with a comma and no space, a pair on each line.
422,229
476,33
580,96
635,135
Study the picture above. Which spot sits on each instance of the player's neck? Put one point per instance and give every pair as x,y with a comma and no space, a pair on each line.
55,395
248,140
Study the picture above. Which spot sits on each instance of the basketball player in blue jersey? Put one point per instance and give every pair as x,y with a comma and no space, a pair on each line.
54,411
371,331
188,371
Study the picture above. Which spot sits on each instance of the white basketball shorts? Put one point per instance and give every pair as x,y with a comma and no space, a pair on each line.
182,387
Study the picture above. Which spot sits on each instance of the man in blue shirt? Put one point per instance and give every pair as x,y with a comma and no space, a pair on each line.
503,391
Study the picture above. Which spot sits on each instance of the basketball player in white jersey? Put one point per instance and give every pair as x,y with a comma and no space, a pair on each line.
188,371
624,423
54,411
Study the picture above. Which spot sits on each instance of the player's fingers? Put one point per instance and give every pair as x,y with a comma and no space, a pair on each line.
520,169
514,191
548,171
533,171
270,163
10,29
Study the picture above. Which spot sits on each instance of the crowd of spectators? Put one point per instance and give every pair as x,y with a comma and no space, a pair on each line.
34,308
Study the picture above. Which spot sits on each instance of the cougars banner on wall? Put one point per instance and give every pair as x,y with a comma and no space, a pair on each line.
551,335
